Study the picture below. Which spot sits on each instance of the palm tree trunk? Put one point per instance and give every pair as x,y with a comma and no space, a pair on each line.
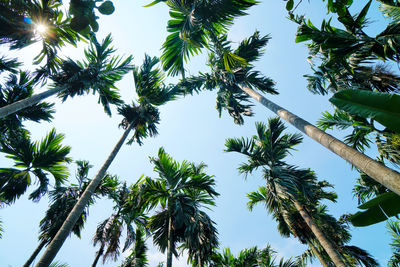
98,255
169,247
35,253
316,253
380,173
199,264
325,243
27,102
73,216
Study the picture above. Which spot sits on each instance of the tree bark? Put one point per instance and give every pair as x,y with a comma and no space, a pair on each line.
35,253
316,253
319,235
27,102
199,264
98,255
73,216
170,243
380,173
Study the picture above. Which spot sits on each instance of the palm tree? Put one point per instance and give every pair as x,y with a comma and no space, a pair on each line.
138,257
250,257
110,230
142,118
63,198
239,82
284,183
201,239
19,87
193,23
98,73
32,159
19,21
180,189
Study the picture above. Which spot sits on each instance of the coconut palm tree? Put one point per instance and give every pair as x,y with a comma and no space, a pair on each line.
32,159
181,190
63,198
99,73
239,82
142,118
108,232
284,183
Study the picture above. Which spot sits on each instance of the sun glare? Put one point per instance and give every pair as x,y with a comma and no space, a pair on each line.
41,29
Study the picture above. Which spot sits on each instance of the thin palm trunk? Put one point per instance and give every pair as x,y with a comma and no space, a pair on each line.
316,253
27,102
98,255
199,261
319,235
169,247
380,173
76,212
35,253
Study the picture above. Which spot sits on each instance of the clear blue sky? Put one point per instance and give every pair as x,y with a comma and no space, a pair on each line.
191,130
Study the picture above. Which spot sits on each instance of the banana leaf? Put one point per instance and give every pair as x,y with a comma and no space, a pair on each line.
377,210
382,107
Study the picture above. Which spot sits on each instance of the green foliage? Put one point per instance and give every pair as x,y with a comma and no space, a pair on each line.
377,210
64,197
98,74
138,257
18,87
193,23
229,80
181,190
84,18
384,108
394,229
32,158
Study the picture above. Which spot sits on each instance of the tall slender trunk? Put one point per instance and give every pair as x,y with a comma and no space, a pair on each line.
323,240
73,216
98,255
35,253
199,264
170,243
316,253
380,173
27,102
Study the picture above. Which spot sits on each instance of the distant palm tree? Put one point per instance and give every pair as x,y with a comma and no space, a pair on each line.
98,73
285,184
180,189
252,257
63,198
32,159
138,257
109,232
142,118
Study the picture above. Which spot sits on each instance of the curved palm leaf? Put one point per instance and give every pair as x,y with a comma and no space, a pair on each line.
37,158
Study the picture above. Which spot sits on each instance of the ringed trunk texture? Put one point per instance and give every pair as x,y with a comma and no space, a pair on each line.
380,173
35,253
98,255
325,243
27,102
169,248
76,212
316,253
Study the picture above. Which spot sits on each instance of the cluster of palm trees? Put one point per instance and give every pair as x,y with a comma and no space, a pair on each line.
181,191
